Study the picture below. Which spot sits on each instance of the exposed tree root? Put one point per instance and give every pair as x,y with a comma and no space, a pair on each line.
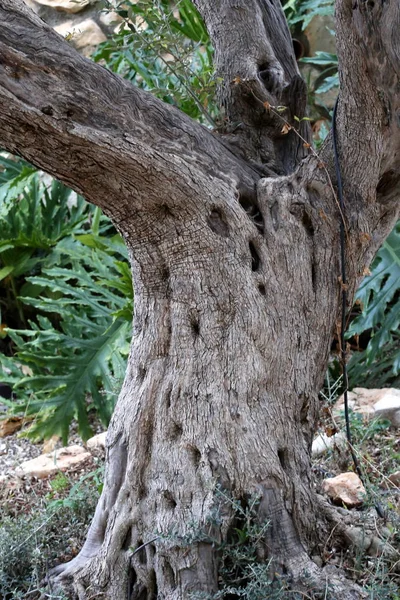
327,583
148,575
284,545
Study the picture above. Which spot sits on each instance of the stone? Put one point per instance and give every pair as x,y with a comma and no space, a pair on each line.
97,442
322,443
346,488
50,444
379,547
32,4
318,561
85,36
388,407
68,6
110,19
53,462
395,478
10,425
358,537
361,400
383,403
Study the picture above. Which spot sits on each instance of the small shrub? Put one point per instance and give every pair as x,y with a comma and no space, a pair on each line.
32,543
167,52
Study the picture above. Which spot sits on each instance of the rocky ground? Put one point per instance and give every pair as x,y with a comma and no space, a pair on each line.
34,477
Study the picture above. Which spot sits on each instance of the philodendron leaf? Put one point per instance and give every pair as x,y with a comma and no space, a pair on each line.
378,293
79,364
379,297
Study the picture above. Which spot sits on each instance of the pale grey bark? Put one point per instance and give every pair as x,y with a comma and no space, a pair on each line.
255,62
236,280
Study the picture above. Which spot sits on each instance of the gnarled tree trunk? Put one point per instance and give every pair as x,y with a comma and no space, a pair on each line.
234,245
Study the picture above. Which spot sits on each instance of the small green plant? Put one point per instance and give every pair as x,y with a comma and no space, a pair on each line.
165,49
31,543
59,483
364,429
378,299
78,492
74,359
242,573
376,571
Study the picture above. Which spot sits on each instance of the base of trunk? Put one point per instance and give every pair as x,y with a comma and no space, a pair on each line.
258,551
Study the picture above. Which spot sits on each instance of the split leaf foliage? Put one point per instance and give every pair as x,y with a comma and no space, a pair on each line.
379,297
67,286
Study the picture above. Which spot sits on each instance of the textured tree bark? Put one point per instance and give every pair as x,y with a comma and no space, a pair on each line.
236,281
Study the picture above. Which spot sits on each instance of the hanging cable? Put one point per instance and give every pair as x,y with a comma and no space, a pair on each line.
343,353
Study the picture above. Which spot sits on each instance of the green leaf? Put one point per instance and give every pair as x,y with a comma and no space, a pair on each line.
321,58
379,296
329,83
84,358
379,289
5,271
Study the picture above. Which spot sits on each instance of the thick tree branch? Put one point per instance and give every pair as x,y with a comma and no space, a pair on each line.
255,61
368,46
93,130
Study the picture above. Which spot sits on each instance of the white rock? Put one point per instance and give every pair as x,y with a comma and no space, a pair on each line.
84,36
346,488
49,464
31,4
110,18
388,407
50,444
383,403
322,443
97,442
361,400
69,6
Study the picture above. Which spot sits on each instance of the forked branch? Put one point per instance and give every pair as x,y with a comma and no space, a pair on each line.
117,145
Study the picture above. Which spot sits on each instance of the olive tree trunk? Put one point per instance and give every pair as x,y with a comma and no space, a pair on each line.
234,245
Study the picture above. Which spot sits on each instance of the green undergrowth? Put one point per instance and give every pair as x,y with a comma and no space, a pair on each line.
242,573
50,528
66,303
166,50
376,446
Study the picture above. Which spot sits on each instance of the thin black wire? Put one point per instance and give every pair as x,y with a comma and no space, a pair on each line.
343,353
